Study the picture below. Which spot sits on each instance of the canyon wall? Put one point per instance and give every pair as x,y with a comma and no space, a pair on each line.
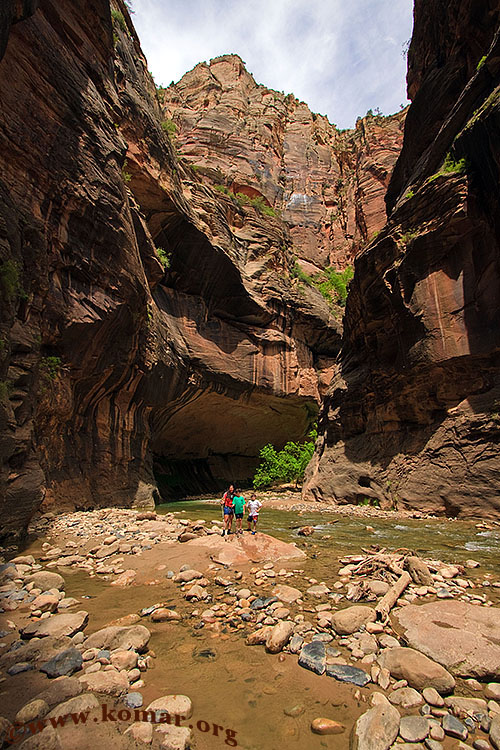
155,331
328,185
412,416
144,316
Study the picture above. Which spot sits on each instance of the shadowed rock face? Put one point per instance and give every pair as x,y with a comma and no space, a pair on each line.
108,360
329,185
412,414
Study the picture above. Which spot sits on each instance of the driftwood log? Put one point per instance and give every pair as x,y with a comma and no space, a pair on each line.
388,601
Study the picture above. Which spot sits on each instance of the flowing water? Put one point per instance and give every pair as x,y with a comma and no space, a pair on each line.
242,694
441,539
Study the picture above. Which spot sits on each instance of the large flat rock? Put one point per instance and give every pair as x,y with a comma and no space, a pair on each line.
248,548
465,638
57,626
416,668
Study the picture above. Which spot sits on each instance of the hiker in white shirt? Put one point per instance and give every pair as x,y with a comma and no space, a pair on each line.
253,507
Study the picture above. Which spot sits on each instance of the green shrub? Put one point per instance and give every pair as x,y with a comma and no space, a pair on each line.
298,273
50,367
169,127
481,63
409,194
4,390
126,175
373,501
332,284
164,257
118,17
450,166
286,465
244,200
337,282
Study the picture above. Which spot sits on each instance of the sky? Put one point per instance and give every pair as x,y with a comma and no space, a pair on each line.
342,57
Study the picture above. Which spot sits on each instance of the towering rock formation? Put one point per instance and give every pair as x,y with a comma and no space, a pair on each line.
152,328
412,416
110,357
328,184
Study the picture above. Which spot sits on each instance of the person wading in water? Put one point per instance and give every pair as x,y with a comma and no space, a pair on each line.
228,510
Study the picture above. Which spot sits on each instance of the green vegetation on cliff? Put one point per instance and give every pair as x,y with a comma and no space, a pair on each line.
286,465
332,284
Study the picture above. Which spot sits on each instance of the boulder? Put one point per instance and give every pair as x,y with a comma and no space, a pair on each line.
492,691
141,732
279,636
174,738
376,729
60,690
107,550
107,682
350,620
463,637
196,593
134,637
495,732
259,637
63,664
313,656
45,603
34,710
406,697
416,668
245,548
124,659
462,707
413,728
83,702
47,739
45,580
56,626
432,697
454,727
179,705
419,571
346,673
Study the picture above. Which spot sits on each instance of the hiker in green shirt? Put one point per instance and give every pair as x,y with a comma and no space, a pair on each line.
238,505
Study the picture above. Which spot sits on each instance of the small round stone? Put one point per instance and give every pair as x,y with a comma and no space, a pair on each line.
326,726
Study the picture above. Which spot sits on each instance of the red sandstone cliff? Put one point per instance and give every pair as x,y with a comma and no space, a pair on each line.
152,327
412,416
328,185
110,361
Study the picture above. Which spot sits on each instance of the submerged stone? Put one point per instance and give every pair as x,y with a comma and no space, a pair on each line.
313,656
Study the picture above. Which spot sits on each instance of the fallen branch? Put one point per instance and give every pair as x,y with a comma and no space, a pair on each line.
388,600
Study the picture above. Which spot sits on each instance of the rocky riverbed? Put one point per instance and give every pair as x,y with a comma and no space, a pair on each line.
112,612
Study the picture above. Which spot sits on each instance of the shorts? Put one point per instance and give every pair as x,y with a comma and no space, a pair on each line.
253,518
238,515
228,511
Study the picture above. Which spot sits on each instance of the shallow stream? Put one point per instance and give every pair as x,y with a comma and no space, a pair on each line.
243,689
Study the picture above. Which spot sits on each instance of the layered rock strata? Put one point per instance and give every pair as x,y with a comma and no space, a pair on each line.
328,184
412,416
109,357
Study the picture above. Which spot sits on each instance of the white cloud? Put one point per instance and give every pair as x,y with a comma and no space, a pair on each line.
341,58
